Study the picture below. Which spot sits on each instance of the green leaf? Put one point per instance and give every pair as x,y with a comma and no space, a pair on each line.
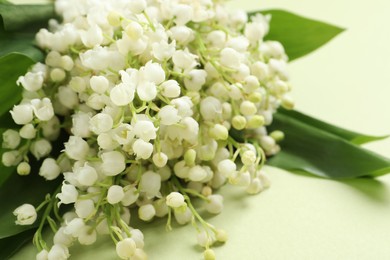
18,190
322,152
11,67
16,17
11,245
18,26
298,35
354,137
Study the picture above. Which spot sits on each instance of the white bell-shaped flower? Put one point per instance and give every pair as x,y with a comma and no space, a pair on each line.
168,115
68,194
101,123
150,184
142,149
113,163
22,114
43,108
76,148
25,214
49,169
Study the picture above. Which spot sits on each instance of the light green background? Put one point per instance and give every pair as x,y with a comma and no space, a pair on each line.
346,83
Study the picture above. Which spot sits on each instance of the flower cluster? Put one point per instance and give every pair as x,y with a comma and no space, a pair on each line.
162,101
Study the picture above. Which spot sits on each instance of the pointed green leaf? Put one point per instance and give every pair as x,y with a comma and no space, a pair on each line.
11,245
18,26
354,137
298,35
11,67
323,153
16,17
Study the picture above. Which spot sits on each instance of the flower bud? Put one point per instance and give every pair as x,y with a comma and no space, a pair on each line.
115,194
248,158
11,158
40,148
160,159
131,195
28,131
57,75
23,168
215,204
146,212
189,157
150,183
255,121
99,84
239,122
277,135
227,167
219,132
170,89
209,254
247,108
175,200
197,173
11,139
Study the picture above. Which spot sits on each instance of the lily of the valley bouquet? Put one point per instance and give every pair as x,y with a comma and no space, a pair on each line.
114,110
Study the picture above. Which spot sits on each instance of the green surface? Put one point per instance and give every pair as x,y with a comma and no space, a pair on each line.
299,217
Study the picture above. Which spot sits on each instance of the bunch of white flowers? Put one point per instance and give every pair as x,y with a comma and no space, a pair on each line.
153,95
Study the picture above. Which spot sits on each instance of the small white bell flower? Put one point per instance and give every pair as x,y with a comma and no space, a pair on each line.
25,214
125,248
170,89
86,175
115,194
101,123
168,115
58,252
113,163
99,84
150,183
22,114
84,208
68,194
142,149
43,109
31,81
146,212
76,148
49,169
